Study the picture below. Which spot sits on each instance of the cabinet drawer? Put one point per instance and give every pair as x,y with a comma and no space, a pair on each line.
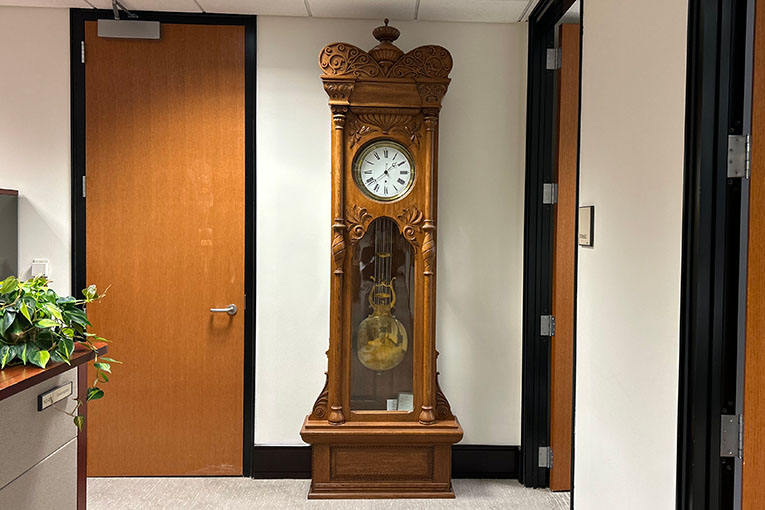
50,485
30,435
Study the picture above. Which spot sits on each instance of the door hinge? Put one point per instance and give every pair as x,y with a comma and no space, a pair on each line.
82,51
550,193
739,156
732,435
83,186
553,58
545,457
547,325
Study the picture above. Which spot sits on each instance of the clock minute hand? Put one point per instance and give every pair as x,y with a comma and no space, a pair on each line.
384,172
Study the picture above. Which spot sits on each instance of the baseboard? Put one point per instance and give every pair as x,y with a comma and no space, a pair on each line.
468,461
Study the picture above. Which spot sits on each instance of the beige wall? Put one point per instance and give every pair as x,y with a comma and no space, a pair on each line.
480,221
633,114
34,133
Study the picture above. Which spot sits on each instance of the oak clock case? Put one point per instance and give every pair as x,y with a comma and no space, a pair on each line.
381,427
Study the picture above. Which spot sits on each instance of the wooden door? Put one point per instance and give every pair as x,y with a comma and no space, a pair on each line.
564,261
165,165
753,472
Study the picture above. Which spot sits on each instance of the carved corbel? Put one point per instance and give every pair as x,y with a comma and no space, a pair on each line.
322,402
431,93
339,92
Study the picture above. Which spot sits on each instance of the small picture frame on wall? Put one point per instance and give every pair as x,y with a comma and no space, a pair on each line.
586,221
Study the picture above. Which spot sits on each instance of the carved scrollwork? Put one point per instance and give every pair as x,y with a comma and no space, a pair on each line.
443,408
412,221
357,130
431,92
322,402
343,59
359,219
429,247
338,245
423,62
386,123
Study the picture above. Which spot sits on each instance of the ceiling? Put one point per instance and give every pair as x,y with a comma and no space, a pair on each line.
482,11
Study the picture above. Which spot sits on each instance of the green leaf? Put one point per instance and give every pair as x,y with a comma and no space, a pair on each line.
65,347
102,376
7,353
22,354
90,292
6,320
46,323
79,421
34,356
24,309
94,394
9,285
103,366
110,360
43,358
54,311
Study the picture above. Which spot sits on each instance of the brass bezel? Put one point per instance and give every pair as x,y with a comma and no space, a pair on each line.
365,150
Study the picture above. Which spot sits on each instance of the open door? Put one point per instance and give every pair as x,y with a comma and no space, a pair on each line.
564,257
753,470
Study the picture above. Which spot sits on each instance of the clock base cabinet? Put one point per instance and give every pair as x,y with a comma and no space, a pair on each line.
381,459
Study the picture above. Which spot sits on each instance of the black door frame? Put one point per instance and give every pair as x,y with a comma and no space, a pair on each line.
713,285
77,19
538,244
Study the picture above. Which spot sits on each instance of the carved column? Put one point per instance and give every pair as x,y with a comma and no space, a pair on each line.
335,396
427,415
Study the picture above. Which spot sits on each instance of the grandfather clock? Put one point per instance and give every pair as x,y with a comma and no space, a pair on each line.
382,428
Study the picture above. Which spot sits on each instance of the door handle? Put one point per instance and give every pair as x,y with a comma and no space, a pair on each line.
230,309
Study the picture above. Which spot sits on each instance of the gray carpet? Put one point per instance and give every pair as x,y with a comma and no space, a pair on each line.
246,493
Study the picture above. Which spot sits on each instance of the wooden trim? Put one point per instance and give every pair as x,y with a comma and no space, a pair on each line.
468,461
11,192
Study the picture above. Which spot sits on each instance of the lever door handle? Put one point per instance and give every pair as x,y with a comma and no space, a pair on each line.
230,309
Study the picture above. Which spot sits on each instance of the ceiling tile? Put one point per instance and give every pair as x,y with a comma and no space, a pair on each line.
363,9
262,7
45,3
488,11
152,5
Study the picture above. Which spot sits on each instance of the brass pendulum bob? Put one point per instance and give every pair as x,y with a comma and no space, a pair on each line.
382,340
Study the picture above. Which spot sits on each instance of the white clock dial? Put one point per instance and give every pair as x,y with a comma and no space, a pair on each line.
384,170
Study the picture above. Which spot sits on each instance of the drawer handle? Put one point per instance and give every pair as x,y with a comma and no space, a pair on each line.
47,399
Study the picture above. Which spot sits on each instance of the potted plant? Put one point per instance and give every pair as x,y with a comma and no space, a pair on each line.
37,326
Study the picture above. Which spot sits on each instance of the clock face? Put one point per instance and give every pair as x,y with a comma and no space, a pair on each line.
384,170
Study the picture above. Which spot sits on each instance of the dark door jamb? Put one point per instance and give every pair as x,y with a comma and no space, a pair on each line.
538,243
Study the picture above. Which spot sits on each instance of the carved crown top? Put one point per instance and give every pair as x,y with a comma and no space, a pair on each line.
386,60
